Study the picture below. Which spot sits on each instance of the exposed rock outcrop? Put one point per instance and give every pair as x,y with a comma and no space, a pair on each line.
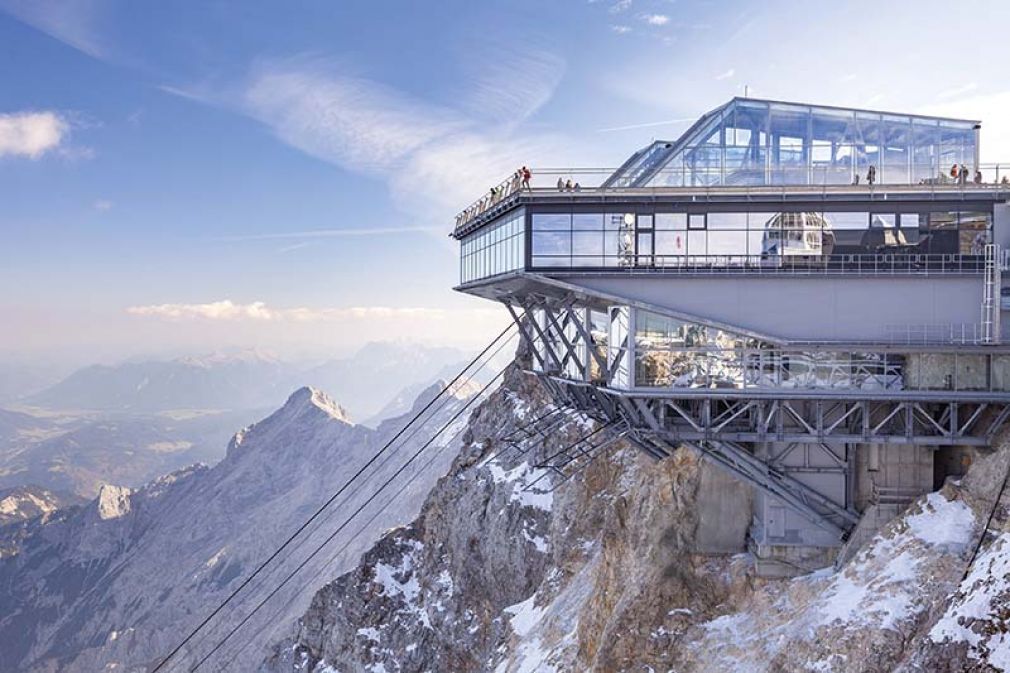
603,574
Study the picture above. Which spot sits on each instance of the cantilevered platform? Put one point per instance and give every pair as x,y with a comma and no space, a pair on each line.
744,291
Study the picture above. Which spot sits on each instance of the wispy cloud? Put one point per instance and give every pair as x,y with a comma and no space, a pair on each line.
31,134
646,125
102,205
434,158
726,75
294,246
620,6
331,233
509,86
621,29
656,19
72,22
958,91
227,310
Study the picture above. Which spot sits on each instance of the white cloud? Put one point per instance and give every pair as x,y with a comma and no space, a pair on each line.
656,19
227,310
102,205
620,6
31,134
621,30
72,22
726,75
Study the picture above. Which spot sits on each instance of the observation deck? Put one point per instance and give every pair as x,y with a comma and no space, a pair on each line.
781,277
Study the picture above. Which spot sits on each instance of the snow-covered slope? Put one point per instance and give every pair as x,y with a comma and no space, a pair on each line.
601,575
116,583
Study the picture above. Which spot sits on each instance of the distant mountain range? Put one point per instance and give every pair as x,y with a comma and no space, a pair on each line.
365,381
77,454
115,583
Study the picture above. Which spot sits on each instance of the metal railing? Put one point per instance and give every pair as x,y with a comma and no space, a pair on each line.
814,181
925,335
717,265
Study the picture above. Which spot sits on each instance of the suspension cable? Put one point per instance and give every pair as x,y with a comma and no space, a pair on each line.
360,531
323,507
414,430
358,510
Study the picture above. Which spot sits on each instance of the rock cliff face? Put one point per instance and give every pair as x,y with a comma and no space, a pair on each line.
499,573
114,584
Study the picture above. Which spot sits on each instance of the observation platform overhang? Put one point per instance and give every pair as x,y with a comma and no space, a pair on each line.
797,197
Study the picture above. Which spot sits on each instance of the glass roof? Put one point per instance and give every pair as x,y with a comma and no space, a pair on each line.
760,142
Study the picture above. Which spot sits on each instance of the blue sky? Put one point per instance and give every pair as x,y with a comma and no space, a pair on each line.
179,177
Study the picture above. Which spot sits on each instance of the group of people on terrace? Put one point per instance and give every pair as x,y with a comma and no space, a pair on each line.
518,181
568,185
958,174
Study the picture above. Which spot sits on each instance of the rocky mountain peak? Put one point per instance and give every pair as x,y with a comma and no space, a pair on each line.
307,399
113,501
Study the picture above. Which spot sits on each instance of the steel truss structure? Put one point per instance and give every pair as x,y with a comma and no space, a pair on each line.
749,432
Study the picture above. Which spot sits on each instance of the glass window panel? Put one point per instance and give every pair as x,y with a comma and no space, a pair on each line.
552,221
848,220
942,220
886,220
736,221
587,243
619,220
724,242
696,221
644,248
587,221
671,221
554,262
670,243
974,229
645,221
612,248
697,243
551,243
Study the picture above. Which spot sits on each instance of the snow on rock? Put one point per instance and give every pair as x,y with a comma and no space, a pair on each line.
520,481
866,610
601,575
978,614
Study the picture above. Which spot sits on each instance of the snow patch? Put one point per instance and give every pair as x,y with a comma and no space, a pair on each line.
517,477
981,598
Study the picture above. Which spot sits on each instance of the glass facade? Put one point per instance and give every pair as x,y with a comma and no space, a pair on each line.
754,142
495,249
845,240
671,353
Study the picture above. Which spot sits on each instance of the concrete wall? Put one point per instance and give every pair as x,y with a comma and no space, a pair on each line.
725,510
806,308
